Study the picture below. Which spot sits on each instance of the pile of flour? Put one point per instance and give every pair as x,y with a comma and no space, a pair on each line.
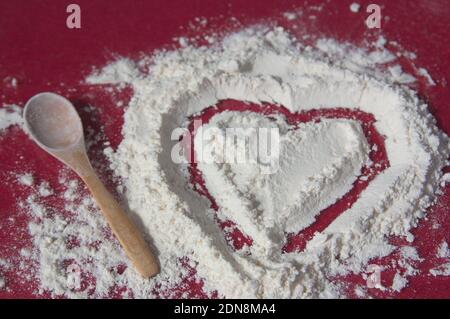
266,65
10,115
318,164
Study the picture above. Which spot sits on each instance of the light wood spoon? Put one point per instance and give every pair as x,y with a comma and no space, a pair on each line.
54,124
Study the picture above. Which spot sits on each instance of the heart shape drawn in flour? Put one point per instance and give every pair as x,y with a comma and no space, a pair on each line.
298,199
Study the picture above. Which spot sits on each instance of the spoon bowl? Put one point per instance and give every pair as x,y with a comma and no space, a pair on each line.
52,121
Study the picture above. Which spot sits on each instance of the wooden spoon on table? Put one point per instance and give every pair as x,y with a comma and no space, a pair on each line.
54,124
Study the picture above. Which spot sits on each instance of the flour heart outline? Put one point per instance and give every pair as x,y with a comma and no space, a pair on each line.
268,206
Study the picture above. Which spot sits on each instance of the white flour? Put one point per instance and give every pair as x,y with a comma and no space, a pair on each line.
2,283
318,164
442,270
288,199
354,7
259,66
26,179
10,115
444,254
443,251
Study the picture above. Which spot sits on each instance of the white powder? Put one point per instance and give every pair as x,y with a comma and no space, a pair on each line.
360,292
340,150
254,65
290,16
423,72
445,179
354,7
399,282
44,189
10,115
2,283
183,41
267,66
25,253
92,252
399,76
442,270
26,179
443,250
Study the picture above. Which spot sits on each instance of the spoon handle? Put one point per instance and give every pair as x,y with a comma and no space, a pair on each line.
122,226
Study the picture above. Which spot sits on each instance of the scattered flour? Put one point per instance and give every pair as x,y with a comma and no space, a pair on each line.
399,76
255,65
258,66
10,115
75,238
2,283
423,72
399,282
290,16
409,257
360,291
442,270
44,189
445,179
443,251
355,7
183,41
26,179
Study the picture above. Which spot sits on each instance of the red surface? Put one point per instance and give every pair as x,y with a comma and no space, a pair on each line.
38,50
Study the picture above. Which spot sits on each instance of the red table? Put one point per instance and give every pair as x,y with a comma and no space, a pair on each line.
38,50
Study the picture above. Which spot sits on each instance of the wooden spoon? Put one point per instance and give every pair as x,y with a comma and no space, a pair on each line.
54,124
